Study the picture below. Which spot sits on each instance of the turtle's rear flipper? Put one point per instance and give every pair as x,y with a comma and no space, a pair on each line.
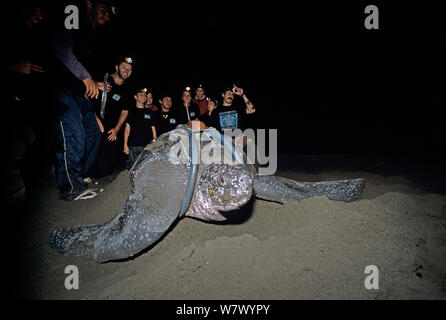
283,190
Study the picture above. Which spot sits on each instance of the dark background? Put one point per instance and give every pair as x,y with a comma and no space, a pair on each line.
313,71
311,68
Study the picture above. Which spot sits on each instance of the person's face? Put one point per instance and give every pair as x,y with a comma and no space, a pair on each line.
124,70
149,98
32,16
187,97
211,105
166,102
141,97
200,93
101,14
228,96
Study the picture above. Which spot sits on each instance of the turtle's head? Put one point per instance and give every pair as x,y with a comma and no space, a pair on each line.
222,188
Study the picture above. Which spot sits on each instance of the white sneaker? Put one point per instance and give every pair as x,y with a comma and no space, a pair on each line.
90,181
88,194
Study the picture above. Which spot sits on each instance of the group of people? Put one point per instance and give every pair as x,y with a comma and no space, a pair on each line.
129,119
103,124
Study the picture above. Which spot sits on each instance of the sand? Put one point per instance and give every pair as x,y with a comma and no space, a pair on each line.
313,249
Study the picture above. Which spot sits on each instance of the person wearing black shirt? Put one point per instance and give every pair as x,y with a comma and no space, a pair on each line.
119,100
209,120
232,113
165,118
187,110
140,128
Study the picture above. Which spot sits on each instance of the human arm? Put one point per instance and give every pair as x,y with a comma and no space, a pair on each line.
22,67
154,132
101,86
113,132
62,46
126,138
250,109
101,126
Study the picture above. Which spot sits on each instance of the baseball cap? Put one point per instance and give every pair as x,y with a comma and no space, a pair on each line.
128,60
215,101
142,90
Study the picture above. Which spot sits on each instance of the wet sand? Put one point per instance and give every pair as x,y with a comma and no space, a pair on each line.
313,249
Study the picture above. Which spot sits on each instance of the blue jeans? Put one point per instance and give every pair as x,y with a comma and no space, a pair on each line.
134,153
78,143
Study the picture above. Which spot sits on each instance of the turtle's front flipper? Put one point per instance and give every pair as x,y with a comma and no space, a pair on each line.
147,214
134,228
283,190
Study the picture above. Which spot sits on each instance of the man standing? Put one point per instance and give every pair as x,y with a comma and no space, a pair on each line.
200,100
119,99
187,111
140,128
78,133
165,118
230,114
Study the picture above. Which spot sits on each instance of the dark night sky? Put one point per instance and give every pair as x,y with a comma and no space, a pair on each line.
312,70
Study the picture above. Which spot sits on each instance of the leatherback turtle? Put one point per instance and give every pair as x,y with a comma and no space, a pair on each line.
167,184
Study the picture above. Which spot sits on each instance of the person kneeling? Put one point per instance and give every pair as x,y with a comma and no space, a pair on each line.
139,130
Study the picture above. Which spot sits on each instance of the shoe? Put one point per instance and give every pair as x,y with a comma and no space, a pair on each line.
79,194
88,194
91,181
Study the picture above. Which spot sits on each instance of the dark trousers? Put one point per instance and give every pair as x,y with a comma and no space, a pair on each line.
109,158
134,153
78,143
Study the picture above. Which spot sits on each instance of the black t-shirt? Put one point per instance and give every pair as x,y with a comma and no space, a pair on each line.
210,120
141,122
228,117
194,113
118,99
165,121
